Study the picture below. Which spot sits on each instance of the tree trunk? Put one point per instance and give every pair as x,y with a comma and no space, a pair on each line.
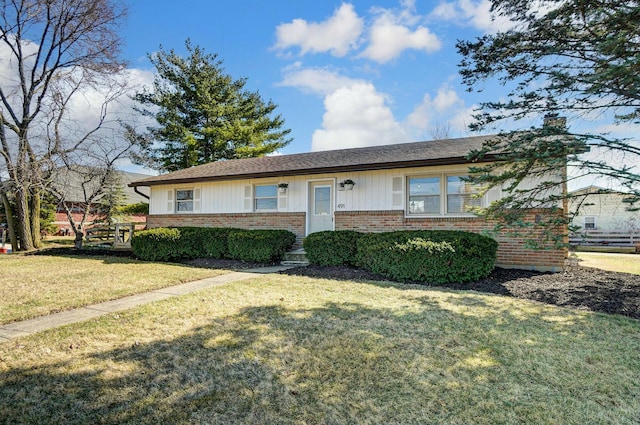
24,222
34,213
79,235
11,226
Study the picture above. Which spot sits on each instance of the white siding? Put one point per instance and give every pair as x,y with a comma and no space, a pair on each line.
374,190
610,213
161,200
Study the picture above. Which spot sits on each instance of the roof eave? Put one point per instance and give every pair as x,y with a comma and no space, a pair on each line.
321,170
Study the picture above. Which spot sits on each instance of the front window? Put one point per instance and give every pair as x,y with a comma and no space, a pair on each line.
424,195
461,195
266,197
184,200
441,194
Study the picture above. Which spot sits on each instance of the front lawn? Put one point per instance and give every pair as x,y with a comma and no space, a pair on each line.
628,263
299,350
37,285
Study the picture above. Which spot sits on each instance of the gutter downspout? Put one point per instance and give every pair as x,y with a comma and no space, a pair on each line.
135,189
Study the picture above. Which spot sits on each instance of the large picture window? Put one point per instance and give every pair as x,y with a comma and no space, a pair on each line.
184,200
440,195
266,197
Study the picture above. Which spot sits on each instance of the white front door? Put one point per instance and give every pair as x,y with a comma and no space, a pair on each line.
320,214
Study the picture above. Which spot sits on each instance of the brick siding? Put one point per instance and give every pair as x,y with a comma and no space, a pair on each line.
511,251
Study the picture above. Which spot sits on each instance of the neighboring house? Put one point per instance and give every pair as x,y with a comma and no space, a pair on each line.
402,186
603,210
70,183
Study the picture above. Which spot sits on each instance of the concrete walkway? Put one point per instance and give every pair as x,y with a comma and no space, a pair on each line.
42,323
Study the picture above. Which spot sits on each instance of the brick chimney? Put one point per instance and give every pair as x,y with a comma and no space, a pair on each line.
553,120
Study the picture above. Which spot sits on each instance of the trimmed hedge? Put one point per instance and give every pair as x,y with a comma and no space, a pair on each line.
438,256
176,243
332,248
204,242
259,245
433,256
156,244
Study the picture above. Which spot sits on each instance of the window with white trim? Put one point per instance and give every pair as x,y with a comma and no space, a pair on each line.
184,200
265,197
440,195
424,195
589,223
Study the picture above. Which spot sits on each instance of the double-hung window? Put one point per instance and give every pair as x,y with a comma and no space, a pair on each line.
266,197
441,195
184,200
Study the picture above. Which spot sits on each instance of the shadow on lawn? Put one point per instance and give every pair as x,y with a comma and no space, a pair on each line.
108,256
88,252
577,287
342,363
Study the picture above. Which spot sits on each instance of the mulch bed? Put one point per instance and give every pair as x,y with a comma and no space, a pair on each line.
577,287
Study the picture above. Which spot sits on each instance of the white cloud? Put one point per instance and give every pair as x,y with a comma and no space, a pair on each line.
388,40
473,13
445,109
85,107
392,33
446,11
357,116
337,35
9,80
426,113
315,80
617,129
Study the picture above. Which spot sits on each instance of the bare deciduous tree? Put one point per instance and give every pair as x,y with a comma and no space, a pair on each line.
59,53
441,131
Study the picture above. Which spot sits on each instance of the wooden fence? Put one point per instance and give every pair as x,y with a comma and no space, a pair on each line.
603,238
116,236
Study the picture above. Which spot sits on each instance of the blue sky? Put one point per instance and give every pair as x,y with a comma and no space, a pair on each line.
343,74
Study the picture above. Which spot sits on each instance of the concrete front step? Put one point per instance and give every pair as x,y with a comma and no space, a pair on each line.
294,263
295,258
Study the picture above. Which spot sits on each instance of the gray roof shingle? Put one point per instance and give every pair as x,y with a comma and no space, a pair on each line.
435,152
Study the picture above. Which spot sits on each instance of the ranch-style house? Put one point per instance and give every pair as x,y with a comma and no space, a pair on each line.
372,189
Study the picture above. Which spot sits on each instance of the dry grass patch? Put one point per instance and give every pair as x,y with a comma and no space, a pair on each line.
37,285
626,263
295,350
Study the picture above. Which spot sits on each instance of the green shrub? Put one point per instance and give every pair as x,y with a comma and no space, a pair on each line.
332,248
259,245
203,242
438,256
158,244
176,243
